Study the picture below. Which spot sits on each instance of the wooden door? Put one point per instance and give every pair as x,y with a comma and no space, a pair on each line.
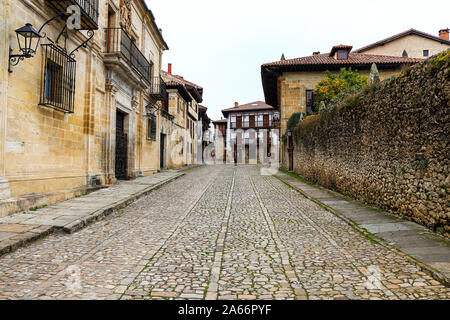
121,147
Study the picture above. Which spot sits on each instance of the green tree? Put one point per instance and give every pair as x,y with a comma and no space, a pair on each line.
334,87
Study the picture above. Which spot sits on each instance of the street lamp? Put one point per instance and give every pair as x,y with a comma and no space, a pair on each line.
25,37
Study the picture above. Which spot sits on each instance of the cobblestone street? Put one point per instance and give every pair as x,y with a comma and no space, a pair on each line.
220,232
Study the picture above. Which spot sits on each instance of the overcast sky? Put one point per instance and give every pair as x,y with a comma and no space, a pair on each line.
221,45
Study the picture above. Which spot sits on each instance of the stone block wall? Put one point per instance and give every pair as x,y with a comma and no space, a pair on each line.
388,146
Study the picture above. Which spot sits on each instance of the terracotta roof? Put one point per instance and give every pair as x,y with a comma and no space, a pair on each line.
353,58
194,89
401,35
202,108
187,83
254,106
220,121
173,82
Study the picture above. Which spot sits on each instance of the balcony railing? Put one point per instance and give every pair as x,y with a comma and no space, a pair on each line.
119,43
158,89
88,10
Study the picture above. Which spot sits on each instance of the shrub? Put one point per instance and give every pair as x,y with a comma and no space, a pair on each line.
334,88
295,119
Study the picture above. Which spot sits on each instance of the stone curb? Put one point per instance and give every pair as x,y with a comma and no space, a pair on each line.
41,232
426,268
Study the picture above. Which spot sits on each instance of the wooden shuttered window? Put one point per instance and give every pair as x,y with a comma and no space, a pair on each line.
252,121
239,122
266,121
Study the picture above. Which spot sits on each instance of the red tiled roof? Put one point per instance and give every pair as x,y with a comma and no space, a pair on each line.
202,108
194,89
187,83
353,58
173,82
254,106
401,35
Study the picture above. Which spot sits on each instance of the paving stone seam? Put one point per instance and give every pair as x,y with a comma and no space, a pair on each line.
350,258
173,233
285,256
213,287
112,208
86,220
95,249
438,276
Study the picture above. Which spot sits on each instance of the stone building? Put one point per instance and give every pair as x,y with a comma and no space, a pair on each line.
183,102
248,132
205,128
76,115
411,43
289,84
220,133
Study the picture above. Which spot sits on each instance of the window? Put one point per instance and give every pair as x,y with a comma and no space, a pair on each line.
426,53
233,122
342,54
266,121
260,121
252,121
246,122
239,122
58,81
309,101
151,128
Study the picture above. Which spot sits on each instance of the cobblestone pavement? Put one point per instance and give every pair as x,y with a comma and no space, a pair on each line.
220,232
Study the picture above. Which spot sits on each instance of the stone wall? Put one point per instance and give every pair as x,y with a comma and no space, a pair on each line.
292,88
388,146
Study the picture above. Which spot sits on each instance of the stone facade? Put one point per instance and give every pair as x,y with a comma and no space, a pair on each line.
388,146
47,155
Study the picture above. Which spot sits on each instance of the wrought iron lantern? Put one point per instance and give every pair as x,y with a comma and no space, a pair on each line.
150,110
289,133
28,39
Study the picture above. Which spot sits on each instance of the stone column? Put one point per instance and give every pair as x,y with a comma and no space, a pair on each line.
111,90
4,54
132,137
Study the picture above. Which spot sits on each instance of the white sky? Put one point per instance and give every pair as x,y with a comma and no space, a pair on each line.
221,45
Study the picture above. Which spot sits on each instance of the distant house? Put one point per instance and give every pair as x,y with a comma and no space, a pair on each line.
289,83
253,119
220,130
181,114
411,43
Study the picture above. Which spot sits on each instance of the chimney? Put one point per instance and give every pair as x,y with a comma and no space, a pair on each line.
316,53
236,104
443,34
169,69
